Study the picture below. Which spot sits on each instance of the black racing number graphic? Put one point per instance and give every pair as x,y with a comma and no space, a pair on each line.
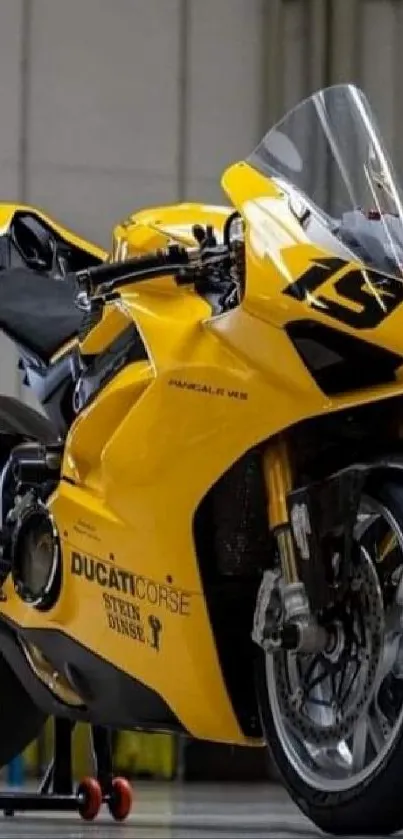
375,304
314,277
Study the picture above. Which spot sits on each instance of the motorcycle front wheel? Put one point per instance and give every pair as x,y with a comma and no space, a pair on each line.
333,722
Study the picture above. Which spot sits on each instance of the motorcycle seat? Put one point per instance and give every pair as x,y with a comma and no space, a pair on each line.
37,311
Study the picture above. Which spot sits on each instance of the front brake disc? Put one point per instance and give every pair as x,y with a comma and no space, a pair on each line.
323,718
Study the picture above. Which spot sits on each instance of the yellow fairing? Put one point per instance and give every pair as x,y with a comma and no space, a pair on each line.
143,454
148,230
278,252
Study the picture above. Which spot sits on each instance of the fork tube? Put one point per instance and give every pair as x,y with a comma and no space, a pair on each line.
278,481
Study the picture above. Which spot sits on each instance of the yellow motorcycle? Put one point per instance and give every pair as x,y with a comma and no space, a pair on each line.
215,546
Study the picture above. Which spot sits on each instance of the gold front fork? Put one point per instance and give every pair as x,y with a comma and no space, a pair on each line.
278,480
298,630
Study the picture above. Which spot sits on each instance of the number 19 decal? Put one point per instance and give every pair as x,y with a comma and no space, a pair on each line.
377,294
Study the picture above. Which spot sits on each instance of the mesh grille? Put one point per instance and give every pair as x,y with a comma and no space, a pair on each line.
240,519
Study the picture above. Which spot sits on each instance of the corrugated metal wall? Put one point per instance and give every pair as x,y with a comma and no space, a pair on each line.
109,106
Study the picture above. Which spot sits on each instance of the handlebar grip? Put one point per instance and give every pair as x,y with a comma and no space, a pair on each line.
154,264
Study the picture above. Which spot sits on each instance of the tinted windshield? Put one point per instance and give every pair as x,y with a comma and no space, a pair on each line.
330,148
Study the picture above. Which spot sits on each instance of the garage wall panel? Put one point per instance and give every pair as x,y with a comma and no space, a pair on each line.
91,202
378,54
104,105
10,90
224,85
295,52
11,52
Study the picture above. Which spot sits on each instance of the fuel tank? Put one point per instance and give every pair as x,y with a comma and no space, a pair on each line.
158,227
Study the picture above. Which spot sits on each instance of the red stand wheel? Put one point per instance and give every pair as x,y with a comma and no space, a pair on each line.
121,799
90,794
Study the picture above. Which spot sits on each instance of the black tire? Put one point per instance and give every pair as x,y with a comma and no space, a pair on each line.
375,806
20,719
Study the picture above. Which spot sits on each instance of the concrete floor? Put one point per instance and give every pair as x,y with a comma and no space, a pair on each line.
173,811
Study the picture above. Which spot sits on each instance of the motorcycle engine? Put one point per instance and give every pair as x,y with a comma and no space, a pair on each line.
35,554
31,546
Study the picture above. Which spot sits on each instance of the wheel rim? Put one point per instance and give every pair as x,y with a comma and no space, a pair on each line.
326,756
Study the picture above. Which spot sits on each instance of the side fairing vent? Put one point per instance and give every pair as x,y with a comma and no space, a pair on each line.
100,369
338,362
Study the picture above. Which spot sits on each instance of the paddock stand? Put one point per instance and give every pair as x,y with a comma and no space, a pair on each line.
56,792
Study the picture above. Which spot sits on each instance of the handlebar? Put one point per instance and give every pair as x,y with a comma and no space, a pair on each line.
112,274
210,262
103,281
216,271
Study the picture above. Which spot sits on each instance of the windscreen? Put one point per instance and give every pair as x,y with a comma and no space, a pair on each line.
330,149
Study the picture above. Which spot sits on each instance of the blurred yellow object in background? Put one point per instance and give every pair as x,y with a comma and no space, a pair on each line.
135,753
145,754
40,752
